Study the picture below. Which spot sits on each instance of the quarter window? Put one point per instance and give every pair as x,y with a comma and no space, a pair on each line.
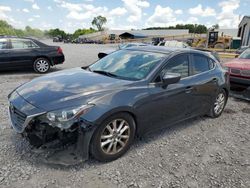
179,64
22,44
3,44
200,64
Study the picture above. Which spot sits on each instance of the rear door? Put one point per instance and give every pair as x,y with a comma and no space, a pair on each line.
4,53
206,82
22,52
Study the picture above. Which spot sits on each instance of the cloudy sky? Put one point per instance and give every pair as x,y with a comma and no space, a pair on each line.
122,14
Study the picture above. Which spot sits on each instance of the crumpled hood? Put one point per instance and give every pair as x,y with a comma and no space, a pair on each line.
68,88
239,63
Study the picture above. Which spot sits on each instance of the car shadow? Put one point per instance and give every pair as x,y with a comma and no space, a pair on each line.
36,158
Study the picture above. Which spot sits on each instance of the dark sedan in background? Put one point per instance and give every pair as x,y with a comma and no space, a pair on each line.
16,53
130,92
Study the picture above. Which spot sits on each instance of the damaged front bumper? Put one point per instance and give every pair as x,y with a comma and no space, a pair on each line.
67,147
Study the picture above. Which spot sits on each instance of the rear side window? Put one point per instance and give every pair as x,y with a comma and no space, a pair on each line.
200,64
3,44
22,44
178,64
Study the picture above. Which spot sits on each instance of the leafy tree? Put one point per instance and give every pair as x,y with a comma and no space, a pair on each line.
56,32
193,28
216,26
79,32
99,21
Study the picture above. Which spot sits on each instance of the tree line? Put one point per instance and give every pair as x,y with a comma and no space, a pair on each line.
98,22
7,29
193,28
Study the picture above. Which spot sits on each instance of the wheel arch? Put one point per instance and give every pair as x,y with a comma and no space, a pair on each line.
43,56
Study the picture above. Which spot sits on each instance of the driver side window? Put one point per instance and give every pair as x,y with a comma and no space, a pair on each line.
178,64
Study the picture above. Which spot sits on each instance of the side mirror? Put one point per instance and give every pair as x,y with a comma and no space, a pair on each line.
170,78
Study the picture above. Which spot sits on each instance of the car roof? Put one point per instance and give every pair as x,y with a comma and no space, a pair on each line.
163,49
15,37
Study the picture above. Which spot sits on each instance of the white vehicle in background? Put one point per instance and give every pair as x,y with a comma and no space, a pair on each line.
173,44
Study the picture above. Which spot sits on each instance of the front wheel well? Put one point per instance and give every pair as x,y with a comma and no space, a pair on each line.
226,90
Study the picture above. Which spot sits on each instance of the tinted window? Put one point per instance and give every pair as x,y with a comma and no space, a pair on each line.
179,65
3,43
128,64
162,44
22,44
200,64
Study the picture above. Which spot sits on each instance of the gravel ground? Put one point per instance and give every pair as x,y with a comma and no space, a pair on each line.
201,152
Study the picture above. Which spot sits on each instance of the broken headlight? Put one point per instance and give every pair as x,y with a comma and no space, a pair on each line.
65,118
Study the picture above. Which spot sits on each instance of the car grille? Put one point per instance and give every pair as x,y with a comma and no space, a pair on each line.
17,118
235,71
245,72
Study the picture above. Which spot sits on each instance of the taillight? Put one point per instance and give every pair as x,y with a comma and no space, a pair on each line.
59,50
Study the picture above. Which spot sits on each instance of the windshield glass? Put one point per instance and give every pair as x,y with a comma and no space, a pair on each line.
127,64
245,55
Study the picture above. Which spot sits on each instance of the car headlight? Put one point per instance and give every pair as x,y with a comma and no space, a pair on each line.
66,117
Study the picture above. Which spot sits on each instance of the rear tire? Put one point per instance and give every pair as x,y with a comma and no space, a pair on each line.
218,104
41,65
113,137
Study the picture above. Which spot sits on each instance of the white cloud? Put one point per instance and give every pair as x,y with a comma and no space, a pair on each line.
5,9
179,11
199,11
118,11
25,10
227,17
49,8
163,16
193,20
30,19
35,6
3,12
134,7
36,16
32,1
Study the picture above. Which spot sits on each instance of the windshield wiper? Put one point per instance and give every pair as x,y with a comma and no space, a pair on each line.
104,73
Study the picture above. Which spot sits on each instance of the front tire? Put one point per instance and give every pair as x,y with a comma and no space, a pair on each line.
41,65
219,104
113,137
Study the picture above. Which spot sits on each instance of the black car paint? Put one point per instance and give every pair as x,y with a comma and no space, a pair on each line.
151,104
24,58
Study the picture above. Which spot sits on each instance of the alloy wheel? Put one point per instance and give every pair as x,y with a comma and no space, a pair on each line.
219,103
42,65
115,136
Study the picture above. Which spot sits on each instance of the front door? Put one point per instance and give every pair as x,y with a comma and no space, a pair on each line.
171,104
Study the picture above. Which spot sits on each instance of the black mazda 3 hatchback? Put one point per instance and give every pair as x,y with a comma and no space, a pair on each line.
101,108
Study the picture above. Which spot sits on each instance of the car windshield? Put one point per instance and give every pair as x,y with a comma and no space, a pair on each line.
127,64
245,55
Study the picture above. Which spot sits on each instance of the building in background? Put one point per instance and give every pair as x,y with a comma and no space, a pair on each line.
244,31
133,34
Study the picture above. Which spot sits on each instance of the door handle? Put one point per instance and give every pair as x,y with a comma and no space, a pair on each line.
189,89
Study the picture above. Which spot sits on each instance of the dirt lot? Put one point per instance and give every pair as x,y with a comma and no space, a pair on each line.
201,152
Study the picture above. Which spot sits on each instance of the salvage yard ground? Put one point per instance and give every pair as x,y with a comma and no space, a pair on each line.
201,152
